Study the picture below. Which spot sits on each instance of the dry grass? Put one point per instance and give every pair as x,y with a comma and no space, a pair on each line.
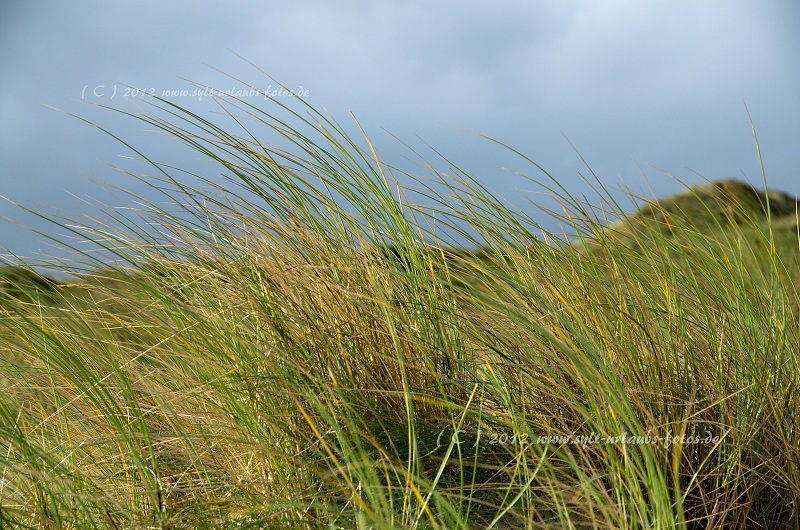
272,367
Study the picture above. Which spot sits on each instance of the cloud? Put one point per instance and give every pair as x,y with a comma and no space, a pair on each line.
662,81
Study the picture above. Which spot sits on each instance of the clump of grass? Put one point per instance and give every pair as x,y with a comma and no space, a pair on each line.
19,282
302,348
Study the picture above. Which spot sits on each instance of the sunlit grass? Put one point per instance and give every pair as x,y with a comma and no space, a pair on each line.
302,348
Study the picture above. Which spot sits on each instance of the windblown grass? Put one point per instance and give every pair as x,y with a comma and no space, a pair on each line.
265,362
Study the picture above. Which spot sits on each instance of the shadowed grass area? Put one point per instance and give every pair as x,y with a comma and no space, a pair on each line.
303,350
18,282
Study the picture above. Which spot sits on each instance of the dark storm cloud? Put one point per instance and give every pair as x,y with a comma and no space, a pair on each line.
664,82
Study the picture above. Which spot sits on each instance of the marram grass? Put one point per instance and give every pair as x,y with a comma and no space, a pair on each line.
302,348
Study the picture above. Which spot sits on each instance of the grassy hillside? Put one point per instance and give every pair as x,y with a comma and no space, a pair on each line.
275,366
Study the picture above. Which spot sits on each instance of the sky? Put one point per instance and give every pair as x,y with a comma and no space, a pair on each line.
649,94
